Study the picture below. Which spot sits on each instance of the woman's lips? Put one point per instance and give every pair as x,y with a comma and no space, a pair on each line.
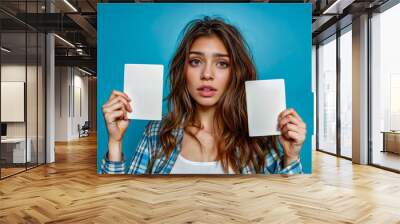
206,91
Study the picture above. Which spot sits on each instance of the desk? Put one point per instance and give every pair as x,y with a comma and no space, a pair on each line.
17,150
391,141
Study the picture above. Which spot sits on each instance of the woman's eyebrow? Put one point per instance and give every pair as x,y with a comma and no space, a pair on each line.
220,55
214,54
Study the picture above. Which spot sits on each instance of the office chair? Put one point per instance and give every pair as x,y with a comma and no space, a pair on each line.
84,130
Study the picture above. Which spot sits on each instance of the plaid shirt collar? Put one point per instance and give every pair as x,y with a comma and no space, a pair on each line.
162,167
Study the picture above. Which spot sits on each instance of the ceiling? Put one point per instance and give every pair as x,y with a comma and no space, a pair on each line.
73,20
76,22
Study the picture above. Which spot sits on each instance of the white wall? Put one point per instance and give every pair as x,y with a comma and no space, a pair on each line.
12,73
61,103
70,83
33,127
80,83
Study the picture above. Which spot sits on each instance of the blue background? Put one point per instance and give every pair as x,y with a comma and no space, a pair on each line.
279,36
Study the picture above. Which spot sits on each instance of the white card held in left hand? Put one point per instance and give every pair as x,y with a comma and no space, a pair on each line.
144,85
265,100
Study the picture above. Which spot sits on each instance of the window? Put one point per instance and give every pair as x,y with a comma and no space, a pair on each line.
346,92
327,95
385,89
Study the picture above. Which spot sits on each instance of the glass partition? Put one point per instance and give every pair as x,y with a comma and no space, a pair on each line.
346,92
13,105
41,96
327,95
31,99
385,89
22,64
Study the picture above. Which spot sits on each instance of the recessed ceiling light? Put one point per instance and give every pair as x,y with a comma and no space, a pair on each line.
5,50
337,7
84,71
65,41
70,5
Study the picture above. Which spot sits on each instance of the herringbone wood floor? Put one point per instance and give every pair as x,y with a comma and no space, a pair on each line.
70,191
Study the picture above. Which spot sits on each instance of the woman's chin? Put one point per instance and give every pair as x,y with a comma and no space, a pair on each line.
207,102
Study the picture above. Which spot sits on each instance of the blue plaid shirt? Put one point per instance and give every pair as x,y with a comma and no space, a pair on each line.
149,147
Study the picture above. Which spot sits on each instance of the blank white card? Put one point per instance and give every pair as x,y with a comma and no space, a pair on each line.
144,85
265,100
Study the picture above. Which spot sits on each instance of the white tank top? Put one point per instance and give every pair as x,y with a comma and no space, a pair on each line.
185,166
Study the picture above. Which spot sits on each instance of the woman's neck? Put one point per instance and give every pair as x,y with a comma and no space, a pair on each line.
205,115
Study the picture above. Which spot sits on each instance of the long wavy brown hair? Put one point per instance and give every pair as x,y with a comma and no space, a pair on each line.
235,148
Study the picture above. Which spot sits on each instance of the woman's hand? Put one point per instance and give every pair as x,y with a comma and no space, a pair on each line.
293,133
116,117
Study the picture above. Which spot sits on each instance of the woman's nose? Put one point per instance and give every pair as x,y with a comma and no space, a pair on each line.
207,73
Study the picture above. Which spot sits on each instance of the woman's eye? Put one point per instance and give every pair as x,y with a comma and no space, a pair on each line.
222,64
194,62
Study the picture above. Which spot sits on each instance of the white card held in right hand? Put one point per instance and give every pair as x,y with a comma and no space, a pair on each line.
265,100
144,85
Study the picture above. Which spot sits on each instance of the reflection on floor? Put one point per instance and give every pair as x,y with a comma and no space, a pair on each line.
347,152
70,191
386,159
10,169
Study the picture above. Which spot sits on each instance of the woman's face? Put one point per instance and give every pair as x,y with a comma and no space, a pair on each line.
207,70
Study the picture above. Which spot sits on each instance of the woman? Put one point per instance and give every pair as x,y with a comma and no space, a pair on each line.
206,130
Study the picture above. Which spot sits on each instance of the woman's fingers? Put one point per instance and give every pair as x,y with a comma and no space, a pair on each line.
290,111
291,119
116,115
109,104
291,127
116,93
111,117
295,136
115,112
115,107
283,113
294,132
116,99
